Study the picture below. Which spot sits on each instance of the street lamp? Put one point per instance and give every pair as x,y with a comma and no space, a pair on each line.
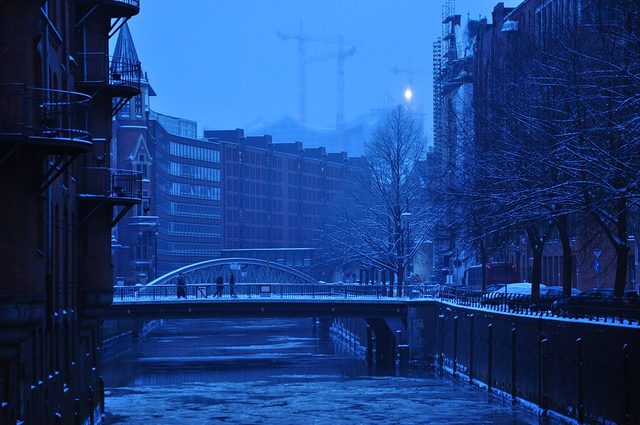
404,218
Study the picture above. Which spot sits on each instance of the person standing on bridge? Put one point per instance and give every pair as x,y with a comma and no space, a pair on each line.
181,286
232,285
219,286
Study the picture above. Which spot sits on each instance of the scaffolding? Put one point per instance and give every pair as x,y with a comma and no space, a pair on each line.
437,90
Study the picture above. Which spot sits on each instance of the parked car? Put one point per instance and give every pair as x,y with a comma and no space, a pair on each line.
548,296
509,293
495,287
556,291
595,301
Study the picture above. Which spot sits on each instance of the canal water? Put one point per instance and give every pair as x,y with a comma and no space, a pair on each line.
275,371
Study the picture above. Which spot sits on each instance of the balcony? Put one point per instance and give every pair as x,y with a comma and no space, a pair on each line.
53,120
120,10
117,8
111,187
121,187
118,75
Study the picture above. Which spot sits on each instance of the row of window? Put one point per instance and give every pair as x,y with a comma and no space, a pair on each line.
186,248
190,229
208,154
188,190
261,173
178,126
260,188
253,232
180,209
189,171
555,15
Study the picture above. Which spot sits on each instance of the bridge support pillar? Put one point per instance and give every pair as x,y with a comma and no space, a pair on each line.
369,344
385,339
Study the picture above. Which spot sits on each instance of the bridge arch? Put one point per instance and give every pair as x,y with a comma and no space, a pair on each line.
246,270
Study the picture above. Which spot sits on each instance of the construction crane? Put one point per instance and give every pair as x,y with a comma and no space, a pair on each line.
408,94
341,55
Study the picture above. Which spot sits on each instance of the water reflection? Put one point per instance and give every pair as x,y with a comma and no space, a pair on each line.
278,371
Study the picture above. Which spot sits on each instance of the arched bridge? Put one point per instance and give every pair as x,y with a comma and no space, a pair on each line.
262,289
248,270
257,294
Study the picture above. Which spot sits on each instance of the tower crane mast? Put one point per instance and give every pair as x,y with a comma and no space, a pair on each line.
341,55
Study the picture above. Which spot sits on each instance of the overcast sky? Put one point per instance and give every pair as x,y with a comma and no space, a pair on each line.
222,64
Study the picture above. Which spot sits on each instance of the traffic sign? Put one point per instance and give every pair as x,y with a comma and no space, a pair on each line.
597,253
596,265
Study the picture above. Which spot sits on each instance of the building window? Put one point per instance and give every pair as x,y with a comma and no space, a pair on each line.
138,106
126,109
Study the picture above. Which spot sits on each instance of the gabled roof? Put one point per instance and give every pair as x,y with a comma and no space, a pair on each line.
140,148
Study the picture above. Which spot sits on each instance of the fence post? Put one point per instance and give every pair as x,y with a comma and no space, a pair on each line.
471,321
455,344
580,379
490,357
626,387
514,393
543,380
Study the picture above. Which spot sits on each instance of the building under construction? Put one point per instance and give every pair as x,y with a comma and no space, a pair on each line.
452,115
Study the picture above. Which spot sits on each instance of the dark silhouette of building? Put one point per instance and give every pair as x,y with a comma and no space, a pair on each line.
482,72
59,89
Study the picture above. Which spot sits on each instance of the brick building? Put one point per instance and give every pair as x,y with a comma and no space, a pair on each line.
58,91
221,195
178,221
538,41
275,196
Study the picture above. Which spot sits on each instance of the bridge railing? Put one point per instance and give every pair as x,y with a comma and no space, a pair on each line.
266,290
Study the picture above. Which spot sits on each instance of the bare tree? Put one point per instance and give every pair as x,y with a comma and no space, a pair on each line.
385,220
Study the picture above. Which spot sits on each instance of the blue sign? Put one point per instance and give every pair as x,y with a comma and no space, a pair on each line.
596,265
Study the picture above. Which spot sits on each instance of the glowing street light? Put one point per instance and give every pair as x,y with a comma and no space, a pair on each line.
408,94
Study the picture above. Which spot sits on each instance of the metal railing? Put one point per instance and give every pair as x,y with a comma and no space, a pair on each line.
36,112
100,68
111,183
132,3
611,310
208,291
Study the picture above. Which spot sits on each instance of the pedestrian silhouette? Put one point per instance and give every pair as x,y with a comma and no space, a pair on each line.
219,286
182,293
232,285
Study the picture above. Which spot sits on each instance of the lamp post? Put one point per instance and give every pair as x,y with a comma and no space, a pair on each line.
404,218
